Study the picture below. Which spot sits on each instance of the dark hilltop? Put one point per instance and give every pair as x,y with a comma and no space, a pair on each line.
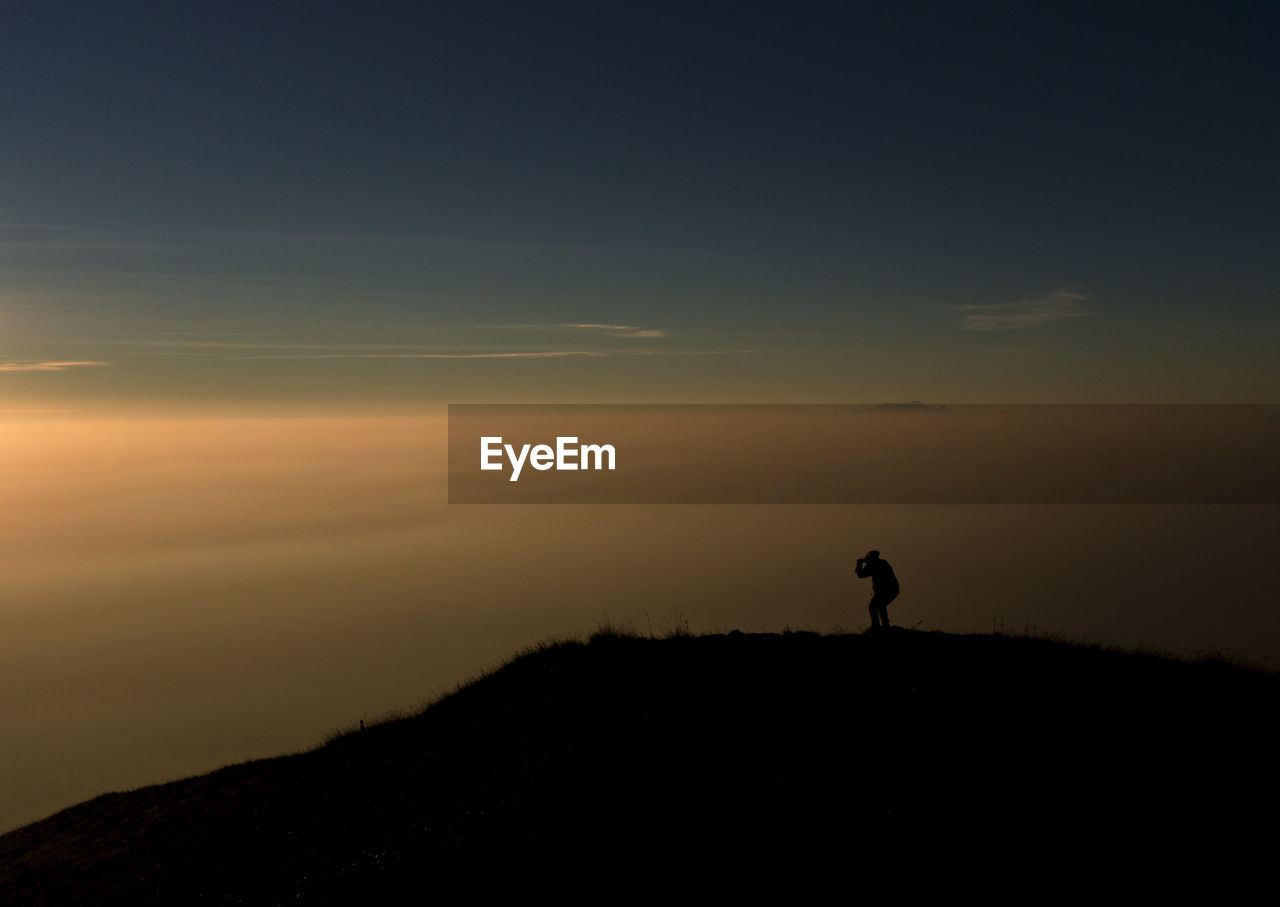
904,765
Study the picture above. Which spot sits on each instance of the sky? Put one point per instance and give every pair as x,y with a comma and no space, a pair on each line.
389,204
249,252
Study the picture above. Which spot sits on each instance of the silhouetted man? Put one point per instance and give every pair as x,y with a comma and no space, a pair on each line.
884,586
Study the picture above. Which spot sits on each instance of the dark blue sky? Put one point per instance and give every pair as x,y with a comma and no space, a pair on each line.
981,195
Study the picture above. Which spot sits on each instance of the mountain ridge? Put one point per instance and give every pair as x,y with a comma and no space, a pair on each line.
913,760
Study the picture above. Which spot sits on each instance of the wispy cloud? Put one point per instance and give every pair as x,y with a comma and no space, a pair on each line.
628,331
47,366
64,245
618,330
523,354
1033,312
46,236
497,354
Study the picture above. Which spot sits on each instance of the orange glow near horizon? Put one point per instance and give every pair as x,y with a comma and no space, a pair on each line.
179,593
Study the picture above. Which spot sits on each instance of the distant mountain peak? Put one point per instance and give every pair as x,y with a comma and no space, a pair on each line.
911,406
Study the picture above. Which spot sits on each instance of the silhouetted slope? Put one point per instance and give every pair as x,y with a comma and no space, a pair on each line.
905,763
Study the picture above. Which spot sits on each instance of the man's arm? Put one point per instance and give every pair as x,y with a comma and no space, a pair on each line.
860,569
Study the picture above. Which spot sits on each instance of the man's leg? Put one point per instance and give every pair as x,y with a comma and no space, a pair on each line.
873,608
883,601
